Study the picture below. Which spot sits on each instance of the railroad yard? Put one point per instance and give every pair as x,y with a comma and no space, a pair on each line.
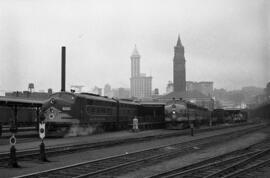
134,89
150,153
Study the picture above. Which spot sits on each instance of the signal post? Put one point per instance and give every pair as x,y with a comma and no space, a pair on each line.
13,159
42,136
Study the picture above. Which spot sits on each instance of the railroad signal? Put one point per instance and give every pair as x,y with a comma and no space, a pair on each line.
12,140
42,130
13,159
42,136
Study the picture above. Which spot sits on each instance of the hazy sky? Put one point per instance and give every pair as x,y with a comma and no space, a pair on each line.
226,41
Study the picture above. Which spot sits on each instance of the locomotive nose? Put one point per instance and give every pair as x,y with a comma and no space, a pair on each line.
52,101
51,116
51,113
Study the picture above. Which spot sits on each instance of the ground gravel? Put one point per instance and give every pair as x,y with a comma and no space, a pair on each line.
199,155
30,166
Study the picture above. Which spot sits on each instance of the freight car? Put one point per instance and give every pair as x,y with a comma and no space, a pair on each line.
179,114
84,113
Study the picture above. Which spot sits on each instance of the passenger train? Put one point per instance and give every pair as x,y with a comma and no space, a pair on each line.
179,114
66,112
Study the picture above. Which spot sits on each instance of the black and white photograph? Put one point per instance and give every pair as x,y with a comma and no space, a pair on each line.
135,88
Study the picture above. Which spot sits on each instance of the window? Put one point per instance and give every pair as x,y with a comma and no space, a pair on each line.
68,96
90,102
103,110
93,110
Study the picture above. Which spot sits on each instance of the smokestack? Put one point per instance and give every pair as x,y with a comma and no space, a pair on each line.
63,81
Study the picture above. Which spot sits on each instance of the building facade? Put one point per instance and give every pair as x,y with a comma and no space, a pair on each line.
140,84
97,90
169,87
156,92
179,67
122,93
108,90
205,88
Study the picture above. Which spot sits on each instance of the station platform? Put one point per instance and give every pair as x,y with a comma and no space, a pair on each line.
54,142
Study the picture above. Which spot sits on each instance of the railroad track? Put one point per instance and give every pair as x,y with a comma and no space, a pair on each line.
19,140
235,164
120,164
249,169
71,148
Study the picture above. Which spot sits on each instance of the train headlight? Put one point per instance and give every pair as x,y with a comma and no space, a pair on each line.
51,116
52,101
173,112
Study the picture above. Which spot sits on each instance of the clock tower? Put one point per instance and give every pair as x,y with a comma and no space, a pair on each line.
179,67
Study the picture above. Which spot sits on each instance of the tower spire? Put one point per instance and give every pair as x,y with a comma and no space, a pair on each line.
179,43
135,51
179,68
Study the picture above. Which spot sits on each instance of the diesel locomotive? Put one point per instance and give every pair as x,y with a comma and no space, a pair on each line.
179,114
66,113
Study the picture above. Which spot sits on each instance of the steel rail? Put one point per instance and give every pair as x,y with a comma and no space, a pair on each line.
248,169
95,167
238,165
206,164
71,148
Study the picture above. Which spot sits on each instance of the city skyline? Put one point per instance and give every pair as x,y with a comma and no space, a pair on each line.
226,42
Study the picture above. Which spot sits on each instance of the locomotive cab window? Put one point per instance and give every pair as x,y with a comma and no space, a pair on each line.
68,96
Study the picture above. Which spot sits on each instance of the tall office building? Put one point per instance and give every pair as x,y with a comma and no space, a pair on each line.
140,84
135,63
179,67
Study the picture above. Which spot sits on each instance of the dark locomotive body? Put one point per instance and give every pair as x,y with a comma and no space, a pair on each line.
66,113
179,114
